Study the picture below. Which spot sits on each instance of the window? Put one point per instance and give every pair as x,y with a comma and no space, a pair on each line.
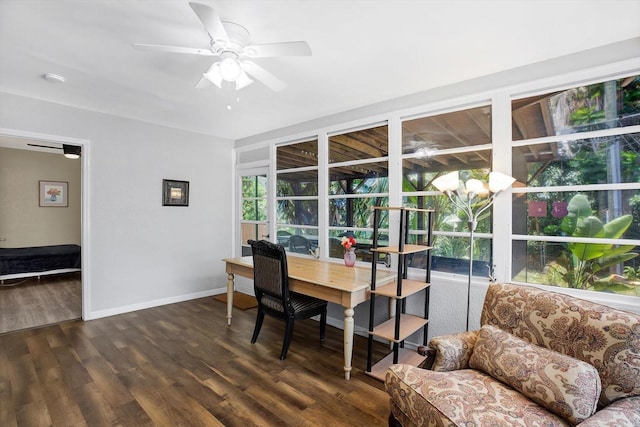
574,151
576,222
358,181
253,222
433,146
297,196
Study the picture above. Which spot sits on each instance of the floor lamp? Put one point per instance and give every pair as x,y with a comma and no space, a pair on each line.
473,198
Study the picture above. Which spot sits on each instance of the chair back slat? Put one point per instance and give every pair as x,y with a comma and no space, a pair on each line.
270,274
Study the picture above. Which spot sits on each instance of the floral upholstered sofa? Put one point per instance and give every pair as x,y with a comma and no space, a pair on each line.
540,358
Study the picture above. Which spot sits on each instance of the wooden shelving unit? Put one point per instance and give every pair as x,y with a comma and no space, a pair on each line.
400,324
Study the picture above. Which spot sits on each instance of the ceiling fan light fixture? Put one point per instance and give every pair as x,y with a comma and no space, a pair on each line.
71,151
230,69
243,80
214,75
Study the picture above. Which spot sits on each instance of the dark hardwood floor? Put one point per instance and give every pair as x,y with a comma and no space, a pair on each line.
180,365
32,302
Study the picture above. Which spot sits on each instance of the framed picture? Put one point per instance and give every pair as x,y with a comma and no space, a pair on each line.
175,193
54,194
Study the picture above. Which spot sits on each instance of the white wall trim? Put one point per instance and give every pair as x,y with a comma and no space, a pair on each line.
154,303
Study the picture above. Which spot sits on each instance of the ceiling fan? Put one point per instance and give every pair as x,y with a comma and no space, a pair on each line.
69,151
231,43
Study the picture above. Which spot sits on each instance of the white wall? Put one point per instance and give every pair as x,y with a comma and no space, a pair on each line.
140,253
23,222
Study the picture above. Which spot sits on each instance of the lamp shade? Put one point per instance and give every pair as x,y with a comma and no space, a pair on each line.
230,69
243,80
71,151
214,75
448,182
499,182
474,186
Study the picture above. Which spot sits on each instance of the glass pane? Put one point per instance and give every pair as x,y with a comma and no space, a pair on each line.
426,135
297,155
451,254
359,179
599,106
297,212
254,210
418,173
254,186
297,184
364,243
298,240
613,214
358,145
447,216
611,159
253,232
357,212
553,263
599,214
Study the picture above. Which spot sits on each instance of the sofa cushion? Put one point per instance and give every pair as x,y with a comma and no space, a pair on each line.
604,337
621,413
460,398
565,386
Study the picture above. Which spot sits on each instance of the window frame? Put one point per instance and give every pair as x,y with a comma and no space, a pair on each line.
576,136
500,98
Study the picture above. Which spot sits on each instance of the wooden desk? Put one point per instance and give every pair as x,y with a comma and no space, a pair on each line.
330,281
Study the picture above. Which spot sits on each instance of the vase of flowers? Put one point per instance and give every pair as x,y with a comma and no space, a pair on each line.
348,243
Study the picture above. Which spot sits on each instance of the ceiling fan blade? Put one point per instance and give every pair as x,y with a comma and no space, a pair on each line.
262,75
44,146
173,49
278,49
212,22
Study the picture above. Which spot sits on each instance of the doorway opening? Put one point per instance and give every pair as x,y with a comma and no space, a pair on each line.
54,287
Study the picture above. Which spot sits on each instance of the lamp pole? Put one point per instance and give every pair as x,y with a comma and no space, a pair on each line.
464,196
472,229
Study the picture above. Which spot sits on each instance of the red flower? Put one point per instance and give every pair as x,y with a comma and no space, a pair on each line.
348,242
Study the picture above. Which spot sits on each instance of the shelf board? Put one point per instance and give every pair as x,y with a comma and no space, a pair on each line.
409,357
408,249
409,324
409,287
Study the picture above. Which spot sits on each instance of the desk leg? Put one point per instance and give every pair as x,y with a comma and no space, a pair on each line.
230,286
348,341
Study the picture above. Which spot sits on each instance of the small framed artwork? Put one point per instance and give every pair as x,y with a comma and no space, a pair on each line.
54,194
175,193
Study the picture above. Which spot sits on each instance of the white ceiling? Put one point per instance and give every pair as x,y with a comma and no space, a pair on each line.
364,52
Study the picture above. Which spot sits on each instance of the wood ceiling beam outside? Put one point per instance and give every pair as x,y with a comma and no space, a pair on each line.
519,120
445,127
351,144
479,119
547,118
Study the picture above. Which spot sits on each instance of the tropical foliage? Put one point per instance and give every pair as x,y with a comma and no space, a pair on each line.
580,269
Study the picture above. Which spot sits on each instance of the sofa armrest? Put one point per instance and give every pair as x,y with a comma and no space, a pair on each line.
452,352
429,355
621,413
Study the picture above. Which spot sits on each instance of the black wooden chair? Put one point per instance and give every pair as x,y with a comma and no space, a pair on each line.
271,285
